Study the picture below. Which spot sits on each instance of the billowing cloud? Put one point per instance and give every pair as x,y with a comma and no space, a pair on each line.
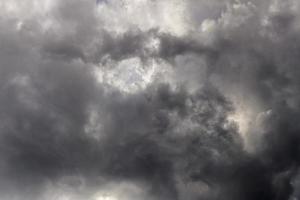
148,99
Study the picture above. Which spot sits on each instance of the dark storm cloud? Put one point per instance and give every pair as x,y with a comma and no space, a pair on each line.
265,62
46,140
61,126
135,43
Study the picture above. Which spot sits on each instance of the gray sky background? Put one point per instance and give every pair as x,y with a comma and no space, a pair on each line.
149,100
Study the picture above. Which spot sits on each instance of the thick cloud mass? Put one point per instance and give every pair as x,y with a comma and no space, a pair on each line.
149,100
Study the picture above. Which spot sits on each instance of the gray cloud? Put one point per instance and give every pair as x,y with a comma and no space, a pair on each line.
66,134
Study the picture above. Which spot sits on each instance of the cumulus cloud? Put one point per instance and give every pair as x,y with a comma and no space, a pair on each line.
147,99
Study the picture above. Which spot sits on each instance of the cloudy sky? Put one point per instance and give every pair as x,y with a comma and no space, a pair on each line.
149,99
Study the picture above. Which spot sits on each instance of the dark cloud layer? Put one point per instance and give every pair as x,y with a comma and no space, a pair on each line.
65,133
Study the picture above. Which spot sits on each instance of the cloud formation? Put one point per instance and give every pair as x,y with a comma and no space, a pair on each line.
151,100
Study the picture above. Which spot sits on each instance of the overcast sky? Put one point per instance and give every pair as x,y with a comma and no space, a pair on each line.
149,99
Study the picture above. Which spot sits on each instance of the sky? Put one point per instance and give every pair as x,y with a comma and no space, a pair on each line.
149,100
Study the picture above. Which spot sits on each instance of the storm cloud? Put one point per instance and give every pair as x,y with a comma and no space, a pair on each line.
149,100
